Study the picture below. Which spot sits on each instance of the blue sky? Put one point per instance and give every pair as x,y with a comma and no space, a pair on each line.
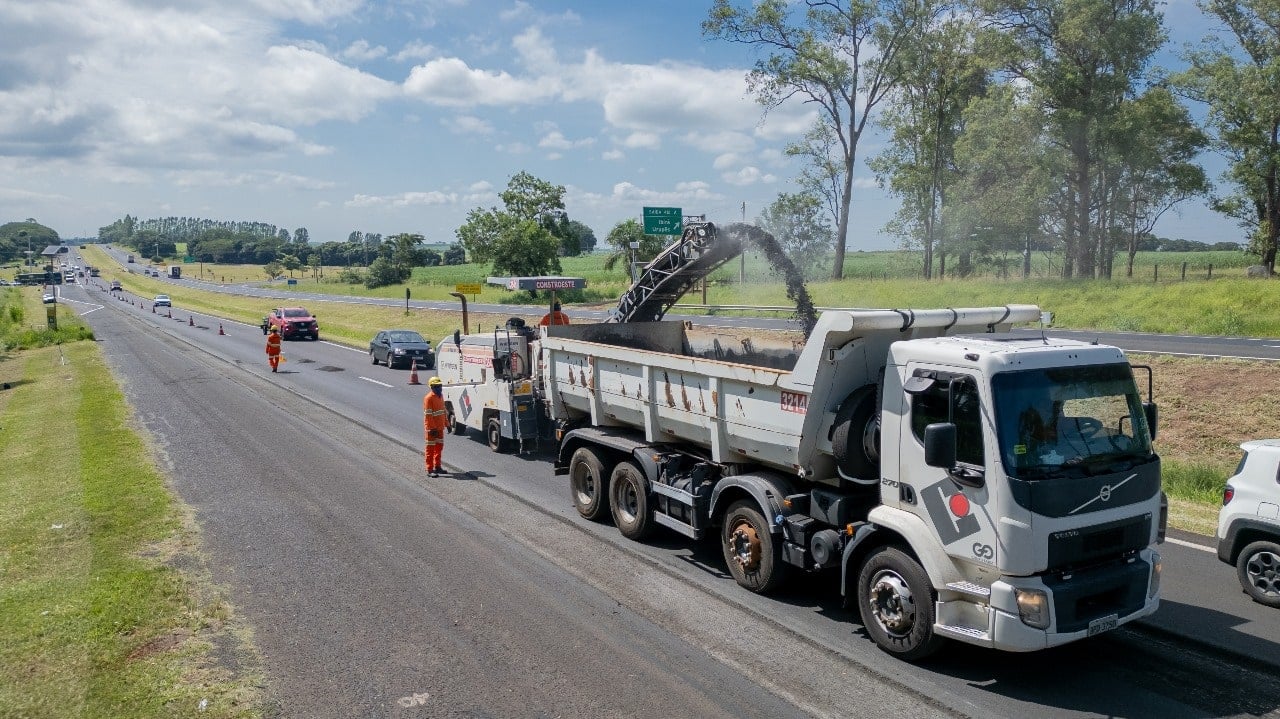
401,116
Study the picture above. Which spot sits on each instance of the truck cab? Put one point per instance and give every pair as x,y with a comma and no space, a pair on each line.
1027,462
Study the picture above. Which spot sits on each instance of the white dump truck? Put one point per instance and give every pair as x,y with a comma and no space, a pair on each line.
966,483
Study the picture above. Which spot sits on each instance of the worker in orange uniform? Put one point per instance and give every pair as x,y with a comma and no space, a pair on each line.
554,317
433,423
273,348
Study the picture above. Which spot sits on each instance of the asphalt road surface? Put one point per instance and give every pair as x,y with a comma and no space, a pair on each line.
310,489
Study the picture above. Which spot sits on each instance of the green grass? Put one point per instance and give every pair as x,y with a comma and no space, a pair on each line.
23,321
93,621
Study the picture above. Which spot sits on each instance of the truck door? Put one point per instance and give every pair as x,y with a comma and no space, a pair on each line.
963,517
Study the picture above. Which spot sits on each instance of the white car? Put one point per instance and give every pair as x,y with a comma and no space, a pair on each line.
1249,521
162,301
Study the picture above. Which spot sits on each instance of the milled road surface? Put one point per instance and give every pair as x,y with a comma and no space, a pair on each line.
373,592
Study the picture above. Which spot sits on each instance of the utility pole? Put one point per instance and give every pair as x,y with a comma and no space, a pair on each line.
742,258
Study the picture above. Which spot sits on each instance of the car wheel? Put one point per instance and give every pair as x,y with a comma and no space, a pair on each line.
373,357
629,501
1258,567
752,554
587,484
895,600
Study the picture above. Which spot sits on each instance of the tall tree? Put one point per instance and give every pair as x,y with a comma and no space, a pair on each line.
517,239
623,235
1083,58
839,55
940,74
405,252
1242,90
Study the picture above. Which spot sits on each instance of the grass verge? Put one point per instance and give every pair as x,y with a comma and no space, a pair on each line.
96,620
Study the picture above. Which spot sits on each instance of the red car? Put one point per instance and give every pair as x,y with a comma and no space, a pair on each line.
293,322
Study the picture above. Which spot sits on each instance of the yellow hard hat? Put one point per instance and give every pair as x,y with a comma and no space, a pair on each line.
434,382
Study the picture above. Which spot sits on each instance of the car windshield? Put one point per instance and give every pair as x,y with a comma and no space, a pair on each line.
162,297
1086,420
296,313
405,336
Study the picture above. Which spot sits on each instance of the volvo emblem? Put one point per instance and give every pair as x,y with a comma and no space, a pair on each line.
1105,493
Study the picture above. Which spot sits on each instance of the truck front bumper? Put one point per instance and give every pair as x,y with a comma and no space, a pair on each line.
1080,605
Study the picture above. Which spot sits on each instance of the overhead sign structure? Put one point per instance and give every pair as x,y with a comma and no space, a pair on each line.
663,220
468,288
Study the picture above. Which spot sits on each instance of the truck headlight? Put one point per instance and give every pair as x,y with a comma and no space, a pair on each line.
1033,607
1157,566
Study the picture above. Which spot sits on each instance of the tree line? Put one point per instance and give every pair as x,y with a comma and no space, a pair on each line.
1017,125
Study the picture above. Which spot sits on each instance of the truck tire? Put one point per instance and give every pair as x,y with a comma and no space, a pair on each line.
1258,567
588,484
493,435
629,501
855,441
895,600
452,420
752,554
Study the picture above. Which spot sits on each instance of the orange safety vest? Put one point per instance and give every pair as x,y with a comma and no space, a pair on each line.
273,344
554,318
433,418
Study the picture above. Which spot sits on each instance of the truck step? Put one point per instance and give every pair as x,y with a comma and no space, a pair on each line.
673,523
971,635
977,591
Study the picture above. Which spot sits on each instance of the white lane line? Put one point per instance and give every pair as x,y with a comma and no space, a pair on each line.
1192,545
345,347
1201,354
366,379
95,309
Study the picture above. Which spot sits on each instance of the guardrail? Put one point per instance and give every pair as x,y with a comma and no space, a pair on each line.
755,308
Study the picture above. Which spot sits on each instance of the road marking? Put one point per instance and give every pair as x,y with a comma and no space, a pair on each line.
345,347
1201,354
1192,545
367,379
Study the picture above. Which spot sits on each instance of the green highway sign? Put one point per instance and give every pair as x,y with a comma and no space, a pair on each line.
188,259
663,220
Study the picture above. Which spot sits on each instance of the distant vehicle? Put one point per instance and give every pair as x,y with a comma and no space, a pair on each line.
50,297
82,247
130,258
293,322
175,272
401,347
94,272
115,285
162,301
1249,521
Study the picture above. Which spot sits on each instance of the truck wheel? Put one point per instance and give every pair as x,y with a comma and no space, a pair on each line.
752,553
629,501
587,484
856,438
493,434
1259,570
454,425
896,603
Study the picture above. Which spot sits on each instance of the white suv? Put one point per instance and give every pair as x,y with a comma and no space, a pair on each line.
1249,522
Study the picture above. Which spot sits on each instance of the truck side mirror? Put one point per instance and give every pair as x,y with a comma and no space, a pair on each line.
940,445
1153,417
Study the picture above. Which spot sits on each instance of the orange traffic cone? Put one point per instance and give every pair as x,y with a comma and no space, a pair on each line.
413,373
191,321
220,329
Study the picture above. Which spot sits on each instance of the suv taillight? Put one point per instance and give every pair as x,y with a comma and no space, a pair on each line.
1227,493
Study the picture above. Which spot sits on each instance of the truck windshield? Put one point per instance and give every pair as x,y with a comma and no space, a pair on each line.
1067,420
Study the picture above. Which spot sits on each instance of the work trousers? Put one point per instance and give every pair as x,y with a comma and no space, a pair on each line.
433,452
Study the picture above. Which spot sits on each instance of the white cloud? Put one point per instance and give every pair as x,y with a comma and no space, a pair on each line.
727,160
749,175
480,186
361,51
404,199
467,125
554,155
555,140
866,183
450,82
723,142
613,155
415,50
643,140
512,148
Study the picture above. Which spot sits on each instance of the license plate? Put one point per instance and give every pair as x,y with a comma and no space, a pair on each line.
1103,624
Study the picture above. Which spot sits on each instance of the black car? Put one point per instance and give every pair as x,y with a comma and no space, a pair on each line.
401,347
